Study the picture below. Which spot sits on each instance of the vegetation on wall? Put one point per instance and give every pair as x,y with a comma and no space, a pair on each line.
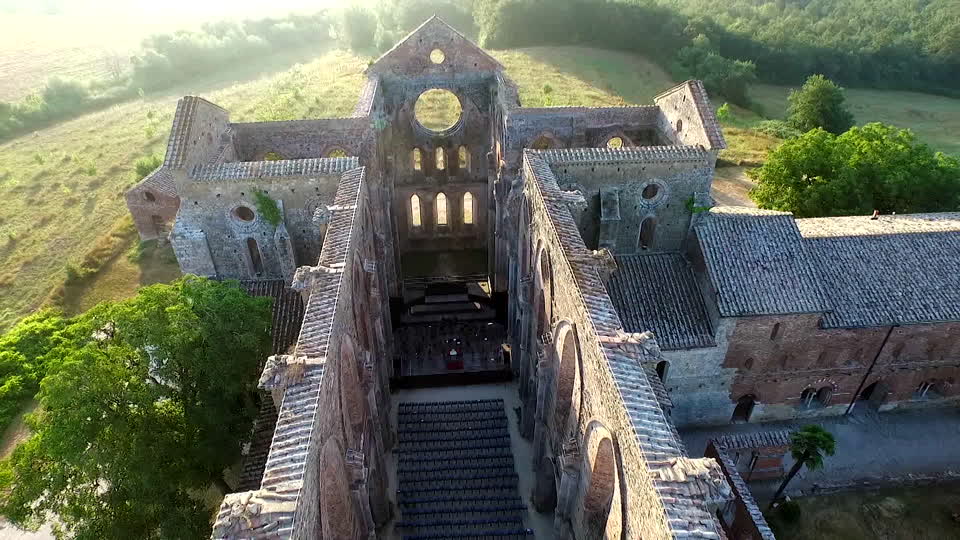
874,167
144,404
267,208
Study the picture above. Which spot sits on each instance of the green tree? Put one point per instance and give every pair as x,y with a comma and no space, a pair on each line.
359,28
819,104
144,405
874,167
808,446
729,78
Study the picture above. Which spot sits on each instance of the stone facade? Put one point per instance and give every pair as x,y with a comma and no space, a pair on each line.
631,306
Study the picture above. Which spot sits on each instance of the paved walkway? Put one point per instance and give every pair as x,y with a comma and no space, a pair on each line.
871,447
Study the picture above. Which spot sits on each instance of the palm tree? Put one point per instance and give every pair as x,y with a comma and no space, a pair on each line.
808,447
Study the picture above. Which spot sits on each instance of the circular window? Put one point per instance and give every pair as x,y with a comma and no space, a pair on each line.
651,191
149,196
437,56
438,110
244,214
615,142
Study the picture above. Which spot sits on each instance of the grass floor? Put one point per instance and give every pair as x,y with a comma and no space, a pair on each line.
934,119
891,514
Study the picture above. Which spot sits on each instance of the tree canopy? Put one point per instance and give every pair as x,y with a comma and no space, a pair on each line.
874,167
819,104
145,403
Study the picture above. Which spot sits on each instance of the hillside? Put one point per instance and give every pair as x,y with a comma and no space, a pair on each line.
61,188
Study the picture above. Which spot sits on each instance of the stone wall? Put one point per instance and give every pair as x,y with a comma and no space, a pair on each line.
699,383
226,212
301,139
778,358
325,476
577,368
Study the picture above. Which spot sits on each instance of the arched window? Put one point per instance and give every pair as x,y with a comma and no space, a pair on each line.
337,153
255,259
417,159
149,196
662,367
823,396
463,159
566,381
441,159
615,142
415,217
468,208
647,231
927,390
744,408
441,209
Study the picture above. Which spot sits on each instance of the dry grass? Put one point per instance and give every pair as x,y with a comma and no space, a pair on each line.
935,119
891,514
56,211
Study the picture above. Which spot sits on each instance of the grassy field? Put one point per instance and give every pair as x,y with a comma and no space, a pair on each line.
892,514
934,119
61,188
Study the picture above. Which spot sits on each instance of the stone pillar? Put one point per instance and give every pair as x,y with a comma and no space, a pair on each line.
541,430
569,487
357,473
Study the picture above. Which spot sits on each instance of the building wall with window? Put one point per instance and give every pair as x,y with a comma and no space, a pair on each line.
221,232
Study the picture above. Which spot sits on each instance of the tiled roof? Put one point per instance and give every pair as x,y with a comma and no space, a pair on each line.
631,153
287,310
245,170
180,132
659,293
760,439
894,270
883,225
742,491
160,181
657,438
286,465
368,95
758,263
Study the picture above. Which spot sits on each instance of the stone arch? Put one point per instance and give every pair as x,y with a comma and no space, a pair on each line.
361,295
744,409
544,272
545,141
566,402
601,488
416,211
352,400
338,517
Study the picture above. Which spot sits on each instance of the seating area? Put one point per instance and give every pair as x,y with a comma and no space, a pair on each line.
455,472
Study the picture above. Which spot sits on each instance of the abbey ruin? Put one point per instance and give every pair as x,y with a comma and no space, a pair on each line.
572,253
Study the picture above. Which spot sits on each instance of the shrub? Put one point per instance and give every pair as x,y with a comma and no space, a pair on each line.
267,208
790,511
819,104
146,165
359,28
777,128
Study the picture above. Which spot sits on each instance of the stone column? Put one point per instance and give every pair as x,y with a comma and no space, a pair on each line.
569,486
357,473
541,430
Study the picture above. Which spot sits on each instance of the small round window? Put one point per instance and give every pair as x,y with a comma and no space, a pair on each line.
437,56
651,191
244,214
149,196
615,142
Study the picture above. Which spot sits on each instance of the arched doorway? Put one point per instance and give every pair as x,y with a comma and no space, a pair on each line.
662,368
743,410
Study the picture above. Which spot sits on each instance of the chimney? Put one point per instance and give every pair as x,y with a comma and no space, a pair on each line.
876,215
